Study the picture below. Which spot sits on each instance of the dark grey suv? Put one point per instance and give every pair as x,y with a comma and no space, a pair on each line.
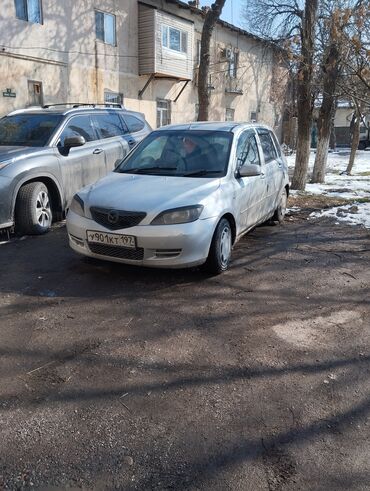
49,153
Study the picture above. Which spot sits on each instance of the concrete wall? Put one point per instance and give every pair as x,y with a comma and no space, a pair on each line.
72,65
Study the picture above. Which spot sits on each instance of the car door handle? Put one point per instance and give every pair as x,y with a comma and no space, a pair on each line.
97,151
131,142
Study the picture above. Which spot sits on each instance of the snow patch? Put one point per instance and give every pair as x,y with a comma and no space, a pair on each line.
353,214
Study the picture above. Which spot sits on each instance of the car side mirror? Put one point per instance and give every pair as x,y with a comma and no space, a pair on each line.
74,141
249,170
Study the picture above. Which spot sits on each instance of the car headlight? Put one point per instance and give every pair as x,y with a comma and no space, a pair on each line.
186,214
77,206
4,164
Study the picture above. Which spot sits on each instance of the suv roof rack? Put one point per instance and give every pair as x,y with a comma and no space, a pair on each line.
84,104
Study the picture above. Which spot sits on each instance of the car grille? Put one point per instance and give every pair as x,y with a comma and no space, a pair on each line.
119,252
122,219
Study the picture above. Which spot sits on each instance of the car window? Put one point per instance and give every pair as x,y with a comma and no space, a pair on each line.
108,125
79,126
247,150
188,153
277,144
134,124
267,145
32,130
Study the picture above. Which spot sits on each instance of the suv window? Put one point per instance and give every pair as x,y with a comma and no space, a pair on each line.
108,125
79,126
247,150
134,124
31,130
267,145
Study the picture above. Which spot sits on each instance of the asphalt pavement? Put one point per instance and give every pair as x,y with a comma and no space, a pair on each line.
116,377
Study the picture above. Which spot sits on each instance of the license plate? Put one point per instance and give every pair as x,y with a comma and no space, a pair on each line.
117,240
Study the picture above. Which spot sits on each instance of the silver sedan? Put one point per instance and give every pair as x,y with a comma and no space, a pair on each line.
183,197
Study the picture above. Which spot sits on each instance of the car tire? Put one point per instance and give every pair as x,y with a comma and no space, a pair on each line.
362,145
33,214
280,211
220,251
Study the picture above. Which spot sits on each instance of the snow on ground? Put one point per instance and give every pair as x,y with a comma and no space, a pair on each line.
353,214
351,188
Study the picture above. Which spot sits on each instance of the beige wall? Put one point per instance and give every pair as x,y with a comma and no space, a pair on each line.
76,67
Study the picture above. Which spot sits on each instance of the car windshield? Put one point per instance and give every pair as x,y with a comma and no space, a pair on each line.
28,130
190,153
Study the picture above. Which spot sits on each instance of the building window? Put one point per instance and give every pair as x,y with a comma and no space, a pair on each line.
113,97
230,113
163,112
232,69
253,117
105,27
35,97
28,10
174,39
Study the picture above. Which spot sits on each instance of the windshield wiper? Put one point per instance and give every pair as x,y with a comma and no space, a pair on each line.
202,172
142,170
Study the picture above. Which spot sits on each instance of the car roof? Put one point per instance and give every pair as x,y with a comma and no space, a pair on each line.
65,110
230,127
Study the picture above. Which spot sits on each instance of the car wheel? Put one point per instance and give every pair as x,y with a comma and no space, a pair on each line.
280,211
362,145
33,215
220,250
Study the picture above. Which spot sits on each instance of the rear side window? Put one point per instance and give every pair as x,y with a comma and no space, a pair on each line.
277,144
134,124
108,125
267,146
79,126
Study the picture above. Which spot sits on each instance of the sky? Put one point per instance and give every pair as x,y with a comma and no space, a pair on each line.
231,12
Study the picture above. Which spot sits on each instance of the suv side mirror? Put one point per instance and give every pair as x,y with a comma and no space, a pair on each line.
74,141
250,170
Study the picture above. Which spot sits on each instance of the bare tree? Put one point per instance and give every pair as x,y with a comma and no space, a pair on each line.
211,17
294,28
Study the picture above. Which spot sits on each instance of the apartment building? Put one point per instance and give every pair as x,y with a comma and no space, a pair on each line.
144,54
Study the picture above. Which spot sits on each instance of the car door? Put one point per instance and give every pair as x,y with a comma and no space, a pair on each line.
136,129
112,132
273,169
83,165
250,191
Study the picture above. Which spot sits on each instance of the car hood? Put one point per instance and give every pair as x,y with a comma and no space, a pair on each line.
13,153
149,194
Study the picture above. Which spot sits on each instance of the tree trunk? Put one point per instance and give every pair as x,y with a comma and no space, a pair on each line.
304,95
355,141
331,73
212,15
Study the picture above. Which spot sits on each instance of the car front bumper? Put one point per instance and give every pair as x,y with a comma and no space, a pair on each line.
158,246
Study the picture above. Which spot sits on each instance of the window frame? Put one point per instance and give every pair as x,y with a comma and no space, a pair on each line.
262,132
168,102
233,114
104,13
232,69
250,133
26,11
56,139
166,28
118,95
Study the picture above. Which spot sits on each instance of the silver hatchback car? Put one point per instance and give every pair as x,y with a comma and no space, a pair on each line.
183,197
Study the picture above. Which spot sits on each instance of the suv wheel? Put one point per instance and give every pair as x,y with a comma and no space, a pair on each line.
33,213
220,250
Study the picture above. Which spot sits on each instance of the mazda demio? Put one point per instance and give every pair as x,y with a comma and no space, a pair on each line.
183,197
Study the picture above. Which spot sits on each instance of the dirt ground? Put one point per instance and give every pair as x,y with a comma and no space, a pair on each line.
114,377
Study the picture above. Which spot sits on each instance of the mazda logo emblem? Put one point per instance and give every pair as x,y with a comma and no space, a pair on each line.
113,216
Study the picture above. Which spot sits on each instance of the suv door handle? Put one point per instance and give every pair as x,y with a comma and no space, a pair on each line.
97,151
131,142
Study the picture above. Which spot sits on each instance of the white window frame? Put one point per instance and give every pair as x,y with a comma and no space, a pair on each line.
232,69
165,31
113,97
107,14
230,111
26,7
